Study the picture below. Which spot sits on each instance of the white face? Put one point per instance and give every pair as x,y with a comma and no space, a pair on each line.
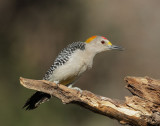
103,43
100,44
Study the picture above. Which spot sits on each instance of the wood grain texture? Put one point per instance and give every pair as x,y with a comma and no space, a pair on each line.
141,109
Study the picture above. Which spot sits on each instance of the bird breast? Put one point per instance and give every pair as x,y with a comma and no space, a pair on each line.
67,73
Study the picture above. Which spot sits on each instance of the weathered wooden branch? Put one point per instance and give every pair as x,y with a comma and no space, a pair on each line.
141,109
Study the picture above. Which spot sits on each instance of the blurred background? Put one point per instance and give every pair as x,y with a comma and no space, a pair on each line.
32,33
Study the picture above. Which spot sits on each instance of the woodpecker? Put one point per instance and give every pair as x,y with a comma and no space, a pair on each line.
71,62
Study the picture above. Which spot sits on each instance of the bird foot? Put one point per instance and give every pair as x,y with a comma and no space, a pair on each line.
76,88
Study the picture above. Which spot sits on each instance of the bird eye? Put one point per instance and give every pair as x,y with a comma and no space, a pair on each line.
102,41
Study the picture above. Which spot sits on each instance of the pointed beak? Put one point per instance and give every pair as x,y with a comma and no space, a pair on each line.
116,47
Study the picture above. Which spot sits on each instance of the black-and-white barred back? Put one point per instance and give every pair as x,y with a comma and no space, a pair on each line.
64,56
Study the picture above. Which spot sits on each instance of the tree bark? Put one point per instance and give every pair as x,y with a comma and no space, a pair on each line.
141,109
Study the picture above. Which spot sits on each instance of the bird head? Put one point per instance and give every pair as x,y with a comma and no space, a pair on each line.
100,44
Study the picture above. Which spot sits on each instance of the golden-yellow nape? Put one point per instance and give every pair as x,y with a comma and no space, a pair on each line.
90,39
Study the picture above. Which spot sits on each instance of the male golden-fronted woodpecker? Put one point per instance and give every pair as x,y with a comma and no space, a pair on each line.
71,62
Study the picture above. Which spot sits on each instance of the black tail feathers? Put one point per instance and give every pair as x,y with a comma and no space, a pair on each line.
36,99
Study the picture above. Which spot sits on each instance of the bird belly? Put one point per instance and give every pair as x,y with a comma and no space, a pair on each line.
70,71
